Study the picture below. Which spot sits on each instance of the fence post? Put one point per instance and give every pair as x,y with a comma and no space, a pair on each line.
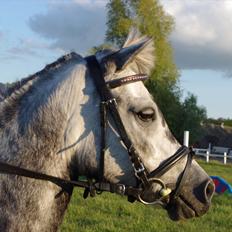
207,156
209,147
225,157
186,138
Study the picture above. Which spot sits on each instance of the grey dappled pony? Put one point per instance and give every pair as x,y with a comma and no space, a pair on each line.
51,124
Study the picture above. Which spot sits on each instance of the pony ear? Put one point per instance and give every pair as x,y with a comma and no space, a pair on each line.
138,54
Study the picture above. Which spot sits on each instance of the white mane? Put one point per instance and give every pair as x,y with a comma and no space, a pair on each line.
145,59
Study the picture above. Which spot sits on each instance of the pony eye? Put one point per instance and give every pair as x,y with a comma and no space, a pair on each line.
146,115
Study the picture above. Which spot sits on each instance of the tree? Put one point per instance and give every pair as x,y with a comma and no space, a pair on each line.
151,19
154,22
168,100
192,117
118,22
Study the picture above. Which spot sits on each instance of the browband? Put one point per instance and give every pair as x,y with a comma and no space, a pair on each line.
126,80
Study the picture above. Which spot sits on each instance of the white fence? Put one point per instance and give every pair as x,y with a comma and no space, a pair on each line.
219,155
206,153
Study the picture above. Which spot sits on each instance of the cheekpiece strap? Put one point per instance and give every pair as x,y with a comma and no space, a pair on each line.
126,80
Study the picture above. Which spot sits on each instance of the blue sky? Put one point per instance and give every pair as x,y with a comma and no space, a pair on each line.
22,51
212,88
35,33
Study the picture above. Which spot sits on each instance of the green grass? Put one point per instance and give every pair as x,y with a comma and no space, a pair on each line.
215,168
112,213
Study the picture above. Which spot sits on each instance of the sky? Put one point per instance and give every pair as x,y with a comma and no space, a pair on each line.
35,33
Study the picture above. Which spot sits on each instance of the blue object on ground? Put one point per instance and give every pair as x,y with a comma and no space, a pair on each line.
221,185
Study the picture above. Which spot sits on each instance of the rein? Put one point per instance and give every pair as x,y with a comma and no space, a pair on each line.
145,180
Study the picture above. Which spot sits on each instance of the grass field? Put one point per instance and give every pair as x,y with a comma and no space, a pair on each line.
111,213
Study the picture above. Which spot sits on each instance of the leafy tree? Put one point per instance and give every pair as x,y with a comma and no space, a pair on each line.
151,19
170,105
192,117
118,23
154,22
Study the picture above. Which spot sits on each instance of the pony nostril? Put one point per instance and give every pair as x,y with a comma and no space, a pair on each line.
209,190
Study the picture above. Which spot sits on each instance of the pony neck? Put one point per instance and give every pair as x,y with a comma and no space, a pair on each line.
42,135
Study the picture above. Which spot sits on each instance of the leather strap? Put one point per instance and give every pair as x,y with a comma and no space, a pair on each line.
110,103
15,170
182,152
66,185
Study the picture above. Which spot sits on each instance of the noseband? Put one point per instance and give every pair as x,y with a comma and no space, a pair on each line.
145,179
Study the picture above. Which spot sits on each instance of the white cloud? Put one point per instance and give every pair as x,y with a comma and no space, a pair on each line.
201,39
202,36
27,46
77,26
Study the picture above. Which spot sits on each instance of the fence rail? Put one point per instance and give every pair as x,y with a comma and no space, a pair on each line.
206,153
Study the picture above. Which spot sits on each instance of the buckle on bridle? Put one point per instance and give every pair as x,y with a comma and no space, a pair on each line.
110,101
138,170
121,188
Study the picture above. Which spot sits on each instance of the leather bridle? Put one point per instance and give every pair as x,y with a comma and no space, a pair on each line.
145,179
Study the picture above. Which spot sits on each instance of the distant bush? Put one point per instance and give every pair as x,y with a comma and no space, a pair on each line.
219,121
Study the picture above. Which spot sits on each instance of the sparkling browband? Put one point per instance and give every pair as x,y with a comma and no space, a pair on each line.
126,80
